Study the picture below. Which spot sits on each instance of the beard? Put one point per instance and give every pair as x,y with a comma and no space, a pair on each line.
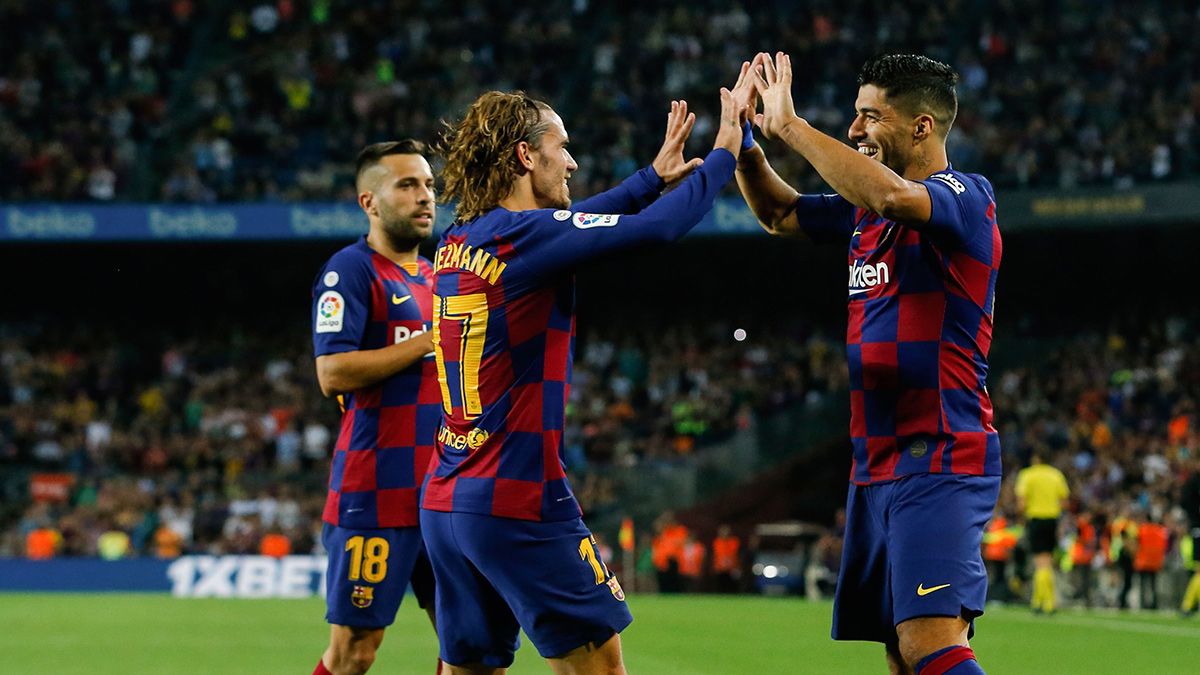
401,232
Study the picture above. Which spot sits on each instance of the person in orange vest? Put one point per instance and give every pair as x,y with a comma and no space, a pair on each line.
1083,552
691,563
668,548
167,543
727,564
1152,539
275,544
998,543
42,543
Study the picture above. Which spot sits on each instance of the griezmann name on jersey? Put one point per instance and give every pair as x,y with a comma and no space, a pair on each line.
920,326
504,332
364,301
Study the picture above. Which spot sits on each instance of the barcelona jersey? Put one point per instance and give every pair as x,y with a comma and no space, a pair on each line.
361,301
504,331
920,305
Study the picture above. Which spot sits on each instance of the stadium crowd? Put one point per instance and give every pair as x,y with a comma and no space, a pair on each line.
113,101
207,446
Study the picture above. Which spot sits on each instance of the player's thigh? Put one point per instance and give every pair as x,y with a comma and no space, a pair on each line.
604,659
935,528
862,599
477,630
368,573
551,575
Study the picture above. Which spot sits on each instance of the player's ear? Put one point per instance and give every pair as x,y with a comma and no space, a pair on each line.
366,201
524,155
923,127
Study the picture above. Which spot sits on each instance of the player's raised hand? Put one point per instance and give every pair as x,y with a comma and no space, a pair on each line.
773,81
729,127
745,94
670,164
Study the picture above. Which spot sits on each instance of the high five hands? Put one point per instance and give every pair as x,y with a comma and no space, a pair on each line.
772,82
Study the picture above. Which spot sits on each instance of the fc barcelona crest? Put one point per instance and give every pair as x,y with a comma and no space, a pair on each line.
362,596
615,587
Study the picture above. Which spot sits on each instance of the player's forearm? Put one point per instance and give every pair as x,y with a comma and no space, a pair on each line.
678,211
769,197
863,181
632,195
350,371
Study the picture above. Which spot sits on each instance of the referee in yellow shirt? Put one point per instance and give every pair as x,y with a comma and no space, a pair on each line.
1041,494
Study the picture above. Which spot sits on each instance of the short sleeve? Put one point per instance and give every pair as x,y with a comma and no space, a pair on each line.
341,305
825,218
958,209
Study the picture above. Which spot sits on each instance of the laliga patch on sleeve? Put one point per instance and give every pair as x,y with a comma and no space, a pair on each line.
331,312
585,221
331,278
562,214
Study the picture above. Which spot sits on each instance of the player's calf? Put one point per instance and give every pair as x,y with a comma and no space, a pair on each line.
351,650
591,659
937,645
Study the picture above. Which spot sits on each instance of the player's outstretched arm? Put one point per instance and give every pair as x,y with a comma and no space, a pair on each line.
862,181
345,372
551,245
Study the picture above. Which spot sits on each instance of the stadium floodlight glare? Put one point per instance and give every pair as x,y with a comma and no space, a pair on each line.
770,571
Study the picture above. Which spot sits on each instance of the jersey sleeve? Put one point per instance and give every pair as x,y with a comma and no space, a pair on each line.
341,306
825,218
550,241
959,206
632,195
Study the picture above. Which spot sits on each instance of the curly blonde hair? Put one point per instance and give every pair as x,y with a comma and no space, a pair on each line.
481,165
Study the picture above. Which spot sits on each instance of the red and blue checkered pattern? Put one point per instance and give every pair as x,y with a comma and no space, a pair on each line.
386,440
505,457
919,331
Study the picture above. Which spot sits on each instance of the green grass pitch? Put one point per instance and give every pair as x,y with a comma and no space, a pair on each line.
692,635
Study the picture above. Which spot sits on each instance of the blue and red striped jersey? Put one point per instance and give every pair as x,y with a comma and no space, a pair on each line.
363,301
504,332
920,326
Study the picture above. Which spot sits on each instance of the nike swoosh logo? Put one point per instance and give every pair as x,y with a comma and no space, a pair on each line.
856,291
856,233
922,591
397,300
353,510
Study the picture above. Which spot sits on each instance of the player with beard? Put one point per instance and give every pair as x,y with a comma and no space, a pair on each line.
924,251
371,318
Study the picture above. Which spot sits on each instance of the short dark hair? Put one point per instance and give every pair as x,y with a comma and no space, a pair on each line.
918,83
370,155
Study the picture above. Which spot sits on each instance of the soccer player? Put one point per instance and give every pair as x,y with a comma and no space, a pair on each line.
505,535
924,250
1041,495
372,310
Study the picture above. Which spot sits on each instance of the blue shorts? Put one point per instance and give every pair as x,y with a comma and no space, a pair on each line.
912,549
497,575
369,571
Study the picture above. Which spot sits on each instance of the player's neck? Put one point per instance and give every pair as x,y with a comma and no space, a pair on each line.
927,163
521,198
383,247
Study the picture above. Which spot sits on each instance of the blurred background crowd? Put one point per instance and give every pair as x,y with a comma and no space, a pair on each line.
185,101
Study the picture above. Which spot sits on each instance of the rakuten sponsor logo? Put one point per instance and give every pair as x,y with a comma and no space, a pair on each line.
865,277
